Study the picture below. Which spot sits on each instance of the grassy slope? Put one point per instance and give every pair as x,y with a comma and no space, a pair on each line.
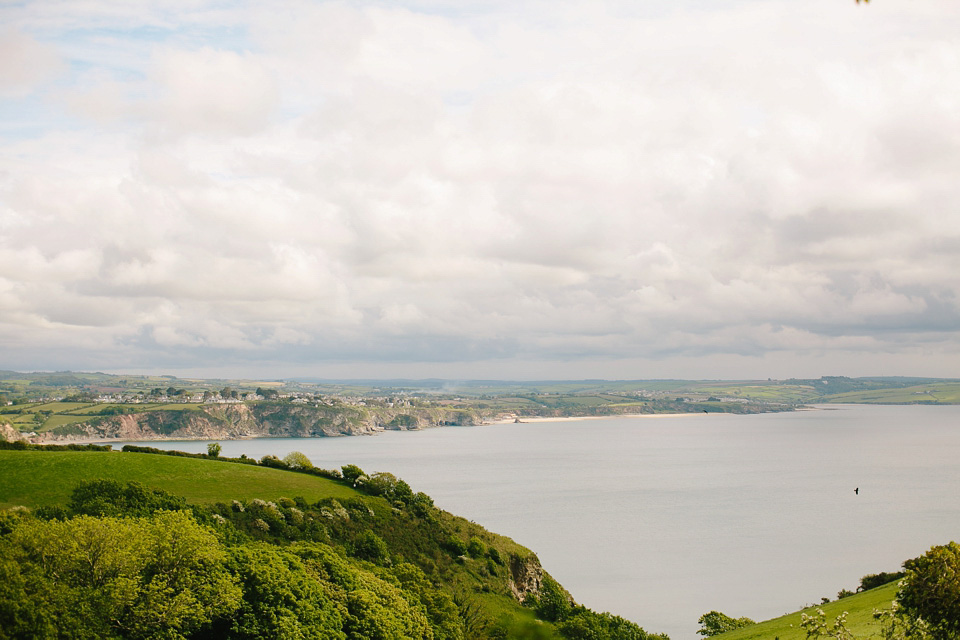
860,620
944,393
35,478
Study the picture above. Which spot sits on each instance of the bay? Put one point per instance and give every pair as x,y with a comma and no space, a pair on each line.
660,519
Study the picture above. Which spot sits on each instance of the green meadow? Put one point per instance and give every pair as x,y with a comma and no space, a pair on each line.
39,478
860,621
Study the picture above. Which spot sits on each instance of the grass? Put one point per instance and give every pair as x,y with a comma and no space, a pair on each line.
59,420
37,478
187,406
946,393
97,408
860,620
60,407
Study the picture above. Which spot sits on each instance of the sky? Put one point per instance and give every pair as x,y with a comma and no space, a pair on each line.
458,189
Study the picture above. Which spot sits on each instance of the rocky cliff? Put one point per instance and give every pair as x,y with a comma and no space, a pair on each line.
231,421
9,434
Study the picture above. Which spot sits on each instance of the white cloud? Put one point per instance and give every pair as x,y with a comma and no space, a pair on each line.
210,91
593,184
25,63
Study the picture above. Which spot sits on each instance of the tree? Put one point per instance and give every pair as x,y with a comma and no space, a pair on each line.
475,547
280,599
213,449
930,590
351,472
103,577
369,546
297,460
715,623
112,498
553,603
874,580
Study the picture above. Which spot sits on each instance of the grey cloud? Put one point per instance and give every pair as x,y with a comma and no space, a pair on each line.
609,185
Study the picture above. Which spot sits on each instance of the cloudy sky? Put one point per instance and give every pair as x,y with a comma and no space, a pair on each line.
502,189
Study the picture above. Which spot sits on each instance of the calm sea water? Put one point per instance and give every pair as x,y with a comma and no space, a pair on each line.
661,519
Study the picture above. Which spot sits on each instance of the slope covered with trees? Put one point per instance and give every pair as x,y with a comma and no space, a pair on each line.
364,557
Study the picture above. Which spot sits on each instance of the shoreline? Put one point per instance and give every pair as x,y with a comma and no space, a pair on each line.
511,419
533,419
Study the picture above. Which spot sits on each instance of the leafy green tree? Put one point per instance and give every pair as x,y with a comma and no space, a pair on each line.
476,547
715,623
378,610
930,591
184,582
421,504
369,546
297,460
874,580
103,577
213,449
113,498
280,598
351,472
442,610
553,603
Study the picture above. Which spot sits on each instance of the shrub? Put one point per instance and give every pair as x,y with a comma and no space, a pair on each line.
456,546
370,546
297,460
715,623
112,498
930,590
553,603
351,473
874,580
476,547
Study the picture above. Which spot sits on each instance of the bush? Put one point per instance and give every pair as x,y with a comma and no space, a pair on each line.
553,603
112,498
874,580
930,590
370,546
456,546
476,548
351,473
715,623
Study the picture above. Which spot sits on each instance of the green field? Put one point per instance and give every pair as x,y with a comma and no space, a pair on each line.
37,478
59,420
97,408
940,393
860,621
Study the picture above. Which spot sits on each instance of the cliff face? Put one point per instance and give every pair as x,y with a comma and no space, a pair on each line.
526,577
230,421
8,433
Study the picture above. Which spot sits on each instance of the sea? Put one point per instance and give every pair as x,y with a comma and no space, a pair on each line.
663,518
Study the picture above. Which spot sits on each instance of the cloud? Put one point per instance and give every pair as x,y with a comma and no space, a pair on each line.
593,185
210,91
25,63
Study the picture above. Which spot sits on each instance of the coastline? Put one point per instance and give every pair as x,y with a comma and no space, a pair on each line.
532,419
501,420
